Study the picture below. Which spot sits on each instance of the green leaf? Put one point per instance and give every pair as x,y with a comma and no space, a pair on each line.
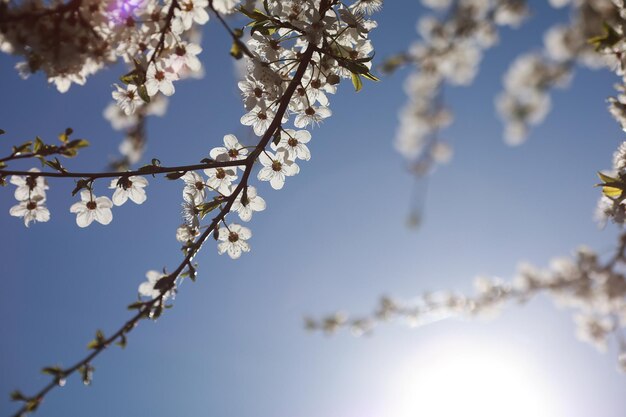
371,76
65,136
255,14
206,208
130,78
611,187
98,342
143,93
355,67
38,145
78,143
18,396
235,50
122,342
53,370
24,147
135,77
56,164
605,178
357,82
32,405
612,192
609,38
71,148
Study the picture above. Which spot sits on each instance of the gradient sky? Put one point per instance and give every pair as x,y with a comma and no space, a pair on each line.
333,238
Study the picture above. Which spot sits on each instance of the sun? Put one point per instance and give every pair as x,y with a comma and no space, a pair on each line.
461,379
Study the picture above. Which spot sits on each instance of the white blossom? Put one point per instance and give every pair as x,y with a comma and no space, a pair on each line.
127,99
29,186
146,289
92,208
129,188
159,79
32,210
195,186
231,151
221,179
233,240
254,203
294,143
191,11
275,168
186,234
259,118
312,115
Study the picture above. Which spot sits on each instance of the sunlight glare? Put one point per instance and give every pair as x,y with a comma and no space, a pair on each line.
468,380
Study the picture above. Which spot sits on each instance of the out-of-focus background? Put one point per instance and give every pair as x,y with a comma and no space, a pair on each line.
334,238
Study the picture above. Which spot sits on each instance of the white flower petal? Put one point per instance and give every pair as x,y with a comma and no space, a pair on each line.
103,215
84,218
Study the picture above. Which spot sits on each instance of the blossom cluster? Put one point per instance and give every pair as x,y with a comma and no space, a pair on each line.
596,291
133,145
612,46
449,52
525,101
296,55
338,48
31,198
271,65
71,40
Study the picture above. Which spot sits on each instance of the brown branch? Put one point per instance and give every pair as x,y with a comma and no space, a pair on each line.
166,27
195,248
150,170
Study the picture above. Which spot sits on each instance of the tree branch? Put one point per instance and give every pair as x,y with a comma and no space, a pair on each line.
146,308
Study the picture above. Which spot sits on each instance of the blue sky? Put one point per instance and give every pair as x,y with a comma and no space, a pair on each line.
333,238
